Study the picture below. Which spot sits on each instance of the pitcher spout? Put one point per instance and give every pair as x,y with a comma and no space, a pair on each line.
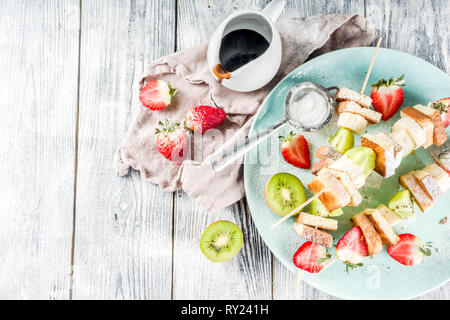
220,72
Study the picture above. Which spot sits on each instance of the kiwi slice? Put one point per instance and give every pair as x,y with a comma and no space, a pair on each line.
336,213
342,140
221,241
284,192
364,158
318,209
401,203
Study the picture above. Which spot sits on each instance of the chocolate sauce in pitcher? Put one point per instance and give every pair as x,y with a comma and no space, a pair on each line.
241,46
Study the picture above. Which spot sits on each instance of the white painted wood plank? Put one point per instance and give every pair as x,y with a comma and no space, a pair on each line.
38,90
283,279
420,28
123,246
248,275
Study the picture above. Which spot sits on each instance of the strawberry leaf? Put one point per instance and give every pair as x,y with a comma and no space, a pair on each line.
322,260
426,251
167,126
350,266
172,91
400,81
288,137
440,106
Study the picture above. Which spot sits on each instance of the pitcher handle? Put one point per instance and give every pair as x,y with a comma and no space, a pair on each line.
274,9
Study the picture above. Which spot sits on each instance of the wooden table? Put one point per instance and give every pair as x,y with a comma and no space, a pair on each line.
69,227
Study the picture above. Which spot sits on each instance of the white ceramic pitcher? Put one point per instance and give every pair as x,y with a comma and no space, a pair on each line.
258,72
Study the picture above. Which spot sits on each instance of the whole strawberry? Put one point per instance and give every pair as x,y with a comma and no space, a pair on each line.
157,94
202,118
295,150
171,141
387,96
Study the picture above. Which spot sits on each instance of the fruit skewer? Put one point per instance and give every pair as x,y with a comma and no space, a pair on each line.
426,186
375,225
373,228
317,195
425,181
353,108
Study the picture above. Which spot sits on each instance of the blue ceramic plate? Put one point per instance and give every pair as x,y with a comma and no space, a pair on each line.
381,277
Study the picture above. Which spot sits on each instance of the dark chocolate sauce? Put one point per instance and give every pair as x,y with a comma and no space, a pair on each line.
239,47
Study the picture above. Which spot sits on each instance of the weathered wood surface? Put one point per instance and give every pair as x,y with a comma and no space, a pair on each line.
131,240
123,239
38,99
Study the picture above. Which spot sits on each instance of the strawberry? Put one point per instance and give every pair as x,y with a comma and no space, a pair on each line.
352,248
443,106
409,250
387,96
311,257
157,94
171,141
202,118
295,150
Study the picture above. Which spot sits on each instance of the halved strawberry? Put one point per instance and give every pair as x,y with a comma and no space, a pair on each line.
171,141
157,94
311,257
295,150
443,105
387,96
202,118
409,250
352,248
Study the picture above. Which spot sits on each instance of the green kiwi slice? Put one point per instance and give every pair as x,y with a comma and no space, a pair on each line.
342,140
284,192
364,158
401,203
221,241
318,209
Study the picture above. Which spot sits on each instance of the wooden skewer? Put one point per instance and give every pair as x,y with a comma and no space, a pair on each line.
299,279
296,210
371,65
329,263
301,273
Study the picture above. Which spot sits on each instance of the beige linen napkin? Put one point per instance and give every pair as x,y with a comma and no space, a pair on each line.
188,71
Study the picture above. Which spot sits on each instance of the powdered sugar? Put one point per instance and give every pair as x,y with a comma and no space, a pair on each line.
309,109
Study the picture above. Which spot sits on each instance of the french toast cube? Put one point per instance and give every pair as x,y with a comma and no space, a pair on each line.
420,196
387,234
316,221
373,239
347,94
315,235
423,120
